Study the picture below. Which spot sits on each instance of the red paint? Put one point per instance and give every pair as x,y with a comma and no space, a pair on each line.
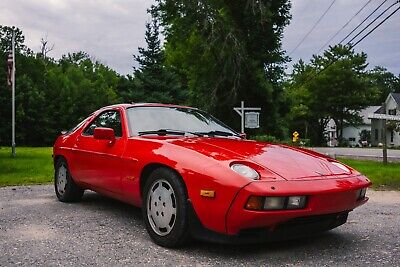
114,168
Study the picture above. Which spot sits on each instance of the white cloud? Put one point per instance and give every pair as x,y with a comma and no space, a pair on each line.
108,30
111,30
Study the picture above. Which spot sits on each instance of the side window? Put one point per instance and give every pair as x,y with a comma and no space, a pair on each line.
107,119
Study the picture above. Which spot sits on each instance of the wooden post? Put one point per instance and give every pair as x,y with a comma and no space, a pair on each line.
384,136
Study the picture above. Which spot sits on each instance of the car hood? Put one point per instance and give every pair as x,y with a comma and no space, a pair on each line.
288,162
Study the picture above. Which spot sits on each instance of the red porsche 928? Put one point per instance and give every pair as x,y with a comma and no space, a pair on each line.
195,177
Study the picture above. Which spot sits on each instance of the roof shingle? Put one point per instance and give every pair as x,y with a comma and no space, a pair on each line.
396,97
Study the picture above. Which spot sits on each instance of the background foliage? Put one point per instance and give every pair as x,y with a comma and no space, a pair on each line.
215,53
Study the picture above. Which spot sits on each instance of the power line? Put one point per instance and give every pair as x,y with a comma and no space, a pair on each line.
397,9
369,24
351,46
312,28
344,26
358,26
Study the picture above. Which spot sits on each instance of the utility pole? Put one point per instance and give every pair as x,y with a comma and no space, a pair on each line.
384,136
13,96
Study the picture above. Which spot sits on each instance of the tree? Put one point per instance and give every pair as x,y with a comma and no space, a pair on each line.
227,51
385,82
332,86
6,37
51,95
152,81
45,47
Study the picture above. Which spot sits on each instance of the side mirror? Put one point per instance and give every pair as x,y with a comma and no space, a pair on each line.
243,135
104,134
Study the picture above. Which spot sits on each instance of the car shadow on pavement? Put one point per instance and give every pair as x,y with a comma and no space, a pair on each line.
333,240
95,201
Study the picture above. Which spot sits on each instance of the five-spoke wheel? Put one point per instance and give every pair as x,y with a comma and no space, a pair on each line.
64,185
165,208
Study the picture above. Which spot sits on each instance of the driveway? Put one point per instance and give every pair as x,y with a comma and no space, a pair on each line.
36,229
359,153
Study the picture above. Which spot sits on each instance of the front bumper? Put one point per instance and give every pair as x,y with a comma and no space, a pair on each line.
295,228
324,197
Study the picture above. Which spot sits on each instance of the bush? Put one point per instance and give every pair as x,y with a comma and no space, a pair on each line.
265,138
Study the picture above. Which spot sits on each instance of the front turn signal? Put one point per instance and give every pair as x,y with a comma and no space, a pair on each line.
255,203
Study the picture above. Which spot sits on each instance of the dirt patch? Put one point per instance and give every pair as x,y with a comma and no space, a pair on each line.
384,197
33,232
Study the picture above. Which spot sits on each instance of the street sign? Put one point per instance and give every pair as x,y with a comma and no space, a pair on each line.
252,120
242,111
384,117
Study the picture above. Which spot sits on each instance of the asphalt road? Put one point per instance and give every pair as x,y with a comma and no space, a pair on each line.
36,229
359,153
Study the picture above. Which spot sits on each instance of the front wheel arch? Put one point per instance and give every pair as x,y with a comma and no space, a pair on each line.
148,169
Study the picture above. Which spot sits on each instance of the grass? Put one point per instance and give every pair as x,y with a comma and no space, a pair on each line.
383,177
32,165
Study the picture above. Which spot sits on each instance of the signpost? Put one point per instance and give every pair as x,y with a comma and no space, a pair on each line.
249,118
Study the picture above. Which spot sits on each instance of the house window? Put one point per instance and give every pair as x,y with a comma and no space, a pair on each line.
352,139
392,111
376,135
391,136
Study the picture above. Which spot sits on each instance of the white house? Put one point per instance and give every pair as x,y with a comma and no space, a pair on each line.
392,104
353,133
350,132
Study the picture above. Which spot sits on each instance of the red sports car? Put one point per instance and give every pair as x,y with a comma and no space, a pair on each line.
193,176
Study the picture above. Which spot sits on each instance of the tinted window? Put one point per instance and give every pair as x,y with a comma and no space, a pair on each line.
108,119
143,119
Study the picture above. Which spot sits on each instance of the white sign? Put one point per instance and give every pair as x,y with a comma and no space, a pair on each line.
252,120
242,111
384,117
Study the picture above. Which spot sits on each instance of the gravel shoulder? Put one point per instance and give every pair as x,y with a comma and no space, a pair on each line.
36,229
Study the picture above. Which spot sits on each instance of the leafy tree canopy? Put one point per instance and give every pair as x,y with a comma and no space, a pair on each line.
227,51
334,86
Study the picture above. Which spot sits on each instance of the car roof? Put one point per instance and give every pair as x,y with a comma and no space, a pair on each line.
125,105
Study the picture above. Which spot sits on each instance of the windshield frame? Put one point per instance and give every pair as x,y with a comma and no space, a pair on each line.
131,134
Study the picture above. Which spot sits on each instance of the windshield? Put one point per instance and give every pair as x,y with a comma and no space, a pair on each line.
151,119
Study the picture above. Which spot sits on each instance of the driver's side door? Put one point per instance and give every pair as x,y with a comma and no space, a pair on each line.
100,160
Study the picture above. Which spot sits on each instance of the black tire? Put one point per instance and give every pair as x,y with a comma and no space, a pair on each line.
178,223
64,185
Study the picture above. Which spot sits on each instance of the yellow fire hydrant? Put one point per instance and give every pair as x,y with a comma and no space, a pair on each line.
295,137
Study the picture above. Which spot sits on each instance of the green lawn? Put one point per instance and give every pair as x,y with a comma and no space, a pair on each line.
383,177
32,165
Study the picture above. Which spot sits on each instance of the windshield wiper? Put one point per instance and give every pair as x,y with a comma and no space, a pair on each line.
163,132
217,133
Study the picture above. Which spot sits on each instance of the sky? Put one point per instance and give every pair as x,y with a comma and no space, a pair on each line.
112,30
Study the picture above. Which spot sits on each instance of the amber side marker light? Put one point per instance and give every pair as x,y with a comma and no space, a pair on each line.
207,193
